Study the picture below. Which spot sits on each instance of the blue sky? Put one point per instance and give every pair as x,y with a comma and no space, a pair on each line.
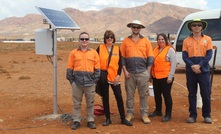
20,8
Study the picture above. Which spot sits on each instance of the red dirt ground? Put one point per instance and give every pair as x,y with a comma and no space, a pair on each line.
26,94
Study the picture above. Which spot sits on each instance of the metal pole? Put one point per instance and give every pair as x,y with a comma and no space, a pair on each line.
55,71
214,62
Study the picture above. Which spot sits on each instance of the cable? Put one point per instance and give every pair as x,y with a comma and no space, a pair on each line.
181,86
49,59
66,118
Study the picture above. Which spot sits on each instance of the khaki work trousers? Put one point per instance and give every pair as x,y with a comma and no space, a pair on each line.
139,81
77,95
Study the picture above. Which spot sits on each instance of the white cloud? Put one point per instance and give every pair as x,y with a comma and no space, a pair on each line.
199,4
20,8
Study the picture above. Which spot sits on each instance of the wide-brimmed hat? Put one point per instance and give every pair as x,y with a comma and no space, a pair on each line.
137,22
204,23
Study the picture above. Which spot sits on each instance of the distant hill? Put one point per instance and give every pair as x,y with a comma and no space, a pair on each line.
155,16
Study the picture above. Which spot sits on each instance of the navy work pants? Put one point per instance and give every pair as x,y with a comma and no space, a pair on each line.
203,79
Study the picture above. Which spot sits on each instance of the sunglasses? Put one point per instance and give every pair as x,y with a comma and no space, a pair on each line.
108,37
136,27
194,25
84,39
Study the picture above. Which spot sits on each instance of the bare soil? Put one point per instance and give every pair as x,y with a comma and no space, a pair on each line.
27,96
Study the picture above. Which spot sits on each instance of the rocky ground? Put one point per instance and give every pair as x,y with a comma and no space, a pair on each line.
27,99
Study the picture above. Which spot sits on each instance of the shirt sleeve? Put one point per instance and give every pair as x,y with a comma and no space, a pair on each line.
209,52
122,50
172,58
185,56
97,67
150,58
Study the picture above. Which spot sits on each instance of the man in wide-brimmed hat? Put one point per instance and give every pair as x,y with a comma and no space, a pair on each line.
135,22
137,59
197,21
196,53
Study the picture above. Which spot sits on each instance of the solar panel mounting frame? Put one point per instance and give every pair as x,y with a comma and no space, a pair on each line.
58,19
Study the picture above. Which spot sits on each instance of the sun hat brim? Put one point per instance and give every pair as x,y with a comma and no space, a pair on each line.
135,22
204,23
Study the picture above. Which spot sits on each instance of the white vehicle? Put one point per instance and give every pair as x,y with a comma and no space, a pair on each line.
213,18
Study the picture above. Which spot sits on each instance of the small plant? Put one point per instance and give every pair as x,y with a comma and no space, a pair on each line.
9,76
24,77
15,62
2,71
59,58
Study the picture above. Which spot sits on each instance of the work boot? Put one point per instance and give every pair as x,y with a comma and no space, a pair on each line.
91,125
191,120
129,117
207,120
145,119
76,125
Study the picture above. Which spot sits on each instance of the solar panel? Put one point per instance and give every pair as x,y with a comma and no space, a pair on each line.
58,19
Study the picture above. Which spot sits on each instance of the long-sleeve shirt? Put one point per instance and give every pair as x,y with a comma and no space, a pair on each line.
164,62
83,68
136,57
197,52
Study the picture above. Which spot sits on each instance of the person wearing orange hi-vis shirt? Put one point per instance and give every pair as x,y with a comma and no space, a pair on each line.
110,61
137,59
163,71
83,72
196,53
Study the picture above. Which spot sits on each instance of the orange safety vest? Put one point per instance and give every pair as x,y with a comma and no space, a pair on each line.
113,65
161,67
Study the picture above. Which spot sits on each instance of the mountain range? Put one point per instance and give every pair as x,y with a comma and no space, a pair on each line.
155,16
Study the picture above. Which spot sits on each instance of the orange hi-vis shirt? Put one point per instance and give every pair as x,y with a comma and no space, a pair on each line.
83,67
114,62
83,61
161,67
197,48
136,56
197,52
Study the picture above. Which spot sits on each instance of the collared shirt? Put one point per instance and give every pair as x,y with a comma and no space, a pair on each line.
197,52
136,56
83,67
